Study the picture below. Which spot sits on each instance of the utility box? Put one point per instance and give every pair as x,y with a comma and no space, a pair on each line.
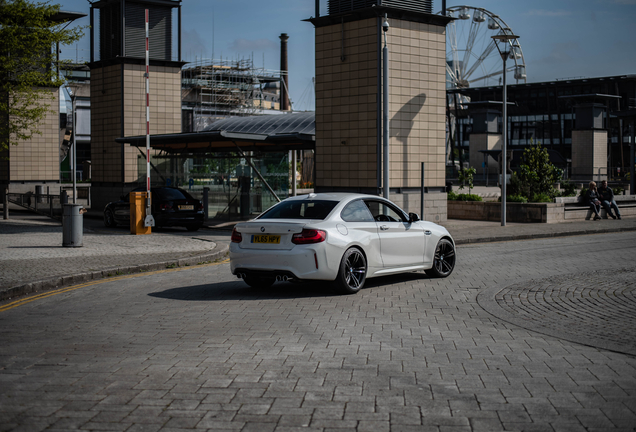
138,213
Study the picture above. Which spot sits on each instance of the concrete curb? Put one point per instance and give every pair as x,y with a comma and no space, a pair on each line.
57,282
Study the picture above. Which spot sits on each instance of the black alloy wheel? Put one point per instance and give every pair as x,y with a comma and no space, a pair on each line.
444,261
353,271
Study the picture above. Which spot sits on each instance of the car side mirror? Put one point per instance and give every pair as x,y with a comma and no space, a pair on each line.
413,217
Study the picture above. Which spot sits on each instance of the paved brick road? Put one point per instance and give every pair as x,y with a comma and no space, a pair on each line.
596,308
197,349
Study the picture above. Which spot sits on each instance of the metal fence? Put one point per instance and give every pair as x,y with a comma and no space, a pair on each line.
44,204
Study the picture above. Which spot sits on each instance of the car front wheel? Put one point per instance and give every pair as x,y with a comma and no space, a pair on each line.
352,272
444,261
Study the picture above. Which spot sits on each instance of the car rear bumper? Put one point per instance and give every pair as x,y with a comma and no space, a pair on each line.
307,262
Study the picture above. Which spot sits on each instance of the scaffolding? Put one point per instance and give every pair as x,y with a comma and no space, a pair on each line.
215,89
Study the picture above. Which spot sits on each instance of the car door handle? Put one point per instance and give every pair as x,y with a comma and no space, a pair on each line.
384,227
427,232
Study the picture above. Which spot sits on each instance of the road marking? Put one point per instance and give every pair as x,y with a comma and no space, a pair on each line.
63,290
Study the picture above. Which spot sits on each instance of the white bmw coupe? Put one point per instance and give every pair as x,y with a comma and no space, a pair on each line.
339,237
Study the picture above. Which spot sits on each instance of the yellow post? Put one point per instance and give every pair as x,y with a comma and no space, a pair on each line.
138,213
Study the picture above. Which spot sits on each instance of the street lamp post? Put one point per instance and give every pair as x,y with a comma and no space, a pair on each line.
503,42
73,88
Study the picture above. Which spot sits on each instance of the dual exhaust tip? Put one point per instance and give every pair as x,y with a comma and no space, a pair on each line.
279,278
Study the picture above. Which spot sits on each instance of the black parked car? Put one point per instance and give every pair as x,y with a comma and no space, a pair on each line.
170,207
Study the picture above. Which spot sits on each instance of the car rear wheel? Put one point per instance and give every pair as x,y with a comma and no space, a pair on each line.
109,219
444,261
352,272
259,282
193,227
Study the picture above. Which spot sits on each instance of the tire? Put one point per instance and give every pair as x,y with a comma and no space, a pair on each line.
259,282
193,227
352,272
444,260
109,219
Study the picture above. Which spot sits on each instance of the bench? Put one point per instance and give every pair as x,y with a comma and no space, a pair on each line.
573,209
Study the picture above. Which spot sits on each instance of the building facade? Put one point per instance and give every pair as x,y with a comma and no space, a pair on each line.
349,43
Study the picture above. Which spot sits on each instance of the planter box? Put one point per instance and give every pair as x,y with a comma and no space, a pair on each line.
515,212
564,209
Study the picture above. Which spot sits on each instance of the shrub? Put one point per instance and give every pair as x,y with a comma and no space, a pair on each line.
541,198
569,189
516,198
452,196
535,175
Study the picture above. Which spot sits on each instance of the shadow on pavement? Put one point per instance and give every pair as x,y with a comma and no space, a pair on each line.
239,290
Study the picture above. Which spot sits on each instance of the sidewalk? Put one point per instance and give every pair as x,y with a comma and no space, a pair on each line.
33,259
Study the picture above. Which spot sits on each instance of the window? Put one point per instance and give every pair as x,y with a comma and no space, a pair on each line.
382,212
356,211
300,210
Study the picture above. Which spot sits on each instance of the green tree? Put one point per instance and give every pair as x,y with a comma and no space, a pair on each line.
536,175
29,34
466,177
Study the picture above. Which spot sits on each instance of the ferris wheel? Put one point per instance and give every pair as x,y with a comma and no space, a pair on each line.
472,58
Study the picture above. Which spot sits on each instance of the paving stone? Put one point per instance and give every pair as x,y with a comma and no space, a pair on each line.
174,351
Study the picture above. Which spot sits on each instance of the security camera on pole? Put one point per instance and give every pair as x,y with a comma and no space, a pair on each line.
385,107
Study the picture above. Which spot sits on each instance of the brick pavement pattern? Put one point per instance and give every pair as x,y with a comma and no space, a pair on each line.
197,349
602,302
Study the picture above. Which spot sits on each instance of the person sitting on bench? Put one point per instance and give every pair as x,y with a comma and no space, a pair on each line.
592,197
607,200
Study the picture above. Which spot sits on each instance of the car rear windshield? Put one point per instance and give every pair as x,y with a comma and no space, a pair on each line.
300,210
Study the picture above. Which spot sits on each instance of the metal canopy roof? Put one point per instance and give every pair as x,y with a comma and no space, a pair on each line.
295,131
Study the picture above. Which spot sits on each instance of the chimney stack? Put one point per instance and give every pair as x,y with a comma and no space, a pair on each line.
284,96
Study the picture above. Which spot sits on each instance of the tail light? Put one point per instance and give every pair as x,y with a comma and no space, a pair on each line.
236,236
200,206
165,206
309,236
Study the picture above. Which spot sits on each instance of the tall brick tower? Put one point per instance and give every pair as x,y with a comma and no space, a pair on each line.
349,44
118,93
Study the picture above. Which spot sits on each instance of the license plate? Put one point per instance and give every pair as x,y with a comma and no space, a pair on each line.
186,207
272,239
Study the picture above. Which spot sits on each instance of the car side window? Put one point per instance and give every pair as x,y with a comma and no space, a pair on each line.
356,211
382,212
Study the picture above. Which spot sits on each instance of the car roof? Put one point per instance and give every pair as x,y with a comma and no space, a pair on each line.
333,196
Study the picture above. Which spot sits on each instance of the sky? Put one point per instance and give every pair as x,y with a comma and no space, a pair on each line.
559,38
